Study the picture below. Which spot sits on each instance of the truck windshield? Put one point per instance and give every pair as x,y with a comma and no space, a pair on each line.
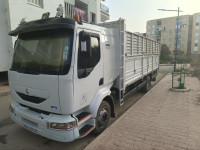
44,54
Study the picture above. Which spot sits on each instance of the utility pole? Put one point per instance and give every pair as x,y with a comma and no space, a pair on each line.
177,32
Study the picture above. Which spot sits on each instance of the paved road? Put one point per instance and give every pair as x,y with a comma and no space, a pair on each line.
15,137
160,120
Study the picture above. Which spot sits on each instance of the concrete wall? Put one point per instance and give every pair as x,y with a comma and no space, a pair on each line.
6,50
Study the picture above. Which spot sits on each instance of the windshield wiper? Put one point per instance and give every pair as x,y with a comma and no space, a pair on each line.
27,70
47,71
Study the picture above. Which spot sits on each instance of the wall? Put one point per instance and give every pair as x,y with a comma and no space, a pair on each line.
196,34
6,50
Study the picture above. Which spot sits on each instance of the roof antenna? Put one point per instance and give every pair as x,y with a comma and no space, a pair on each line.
60,11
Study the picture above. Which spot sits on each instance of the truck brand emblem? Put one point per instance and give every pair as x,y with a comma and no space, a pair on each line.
54,107
83,99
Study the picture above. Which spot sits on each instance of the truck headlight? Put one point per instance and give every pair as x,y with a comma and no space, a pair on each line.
65,126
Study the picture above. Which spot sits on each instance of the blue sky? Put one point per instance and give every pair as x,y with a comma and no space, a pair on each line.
138,12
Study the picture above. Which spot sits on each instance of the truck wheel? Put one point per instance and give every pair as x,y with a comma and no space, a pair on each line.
103,117
154,79
147,86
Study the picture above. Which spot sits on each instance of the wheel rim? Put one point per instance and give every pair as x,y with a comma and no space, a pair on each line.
103,118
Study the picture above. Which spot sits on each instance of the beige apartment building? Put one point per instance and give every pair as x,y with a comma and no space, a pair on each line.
164,31
195,45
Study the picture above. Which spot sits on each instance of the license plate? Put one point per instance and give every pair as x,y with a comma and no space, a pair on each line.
30,128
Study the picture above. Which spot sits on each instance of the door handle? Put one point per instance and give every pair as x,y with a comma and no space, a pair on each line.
101,81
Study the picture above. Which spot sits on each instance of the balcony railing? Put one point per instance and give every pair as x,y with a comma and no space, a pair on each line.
104,8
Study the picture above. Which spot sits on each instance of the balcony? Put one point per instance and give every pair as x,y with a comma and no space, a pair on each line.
81,9
104,13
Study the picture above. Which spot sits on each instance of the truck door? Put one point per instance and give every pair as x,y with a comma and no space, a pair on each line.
88,73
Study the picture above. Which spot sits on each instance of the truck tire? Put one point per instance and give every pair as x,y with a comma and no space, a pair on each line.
102,118
147,86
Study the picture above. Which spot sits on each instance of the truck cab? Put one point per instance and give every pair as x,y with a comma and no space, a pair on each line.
61,77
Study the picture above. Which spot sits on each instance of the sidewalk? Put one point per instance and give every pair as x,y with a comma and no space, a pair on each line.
161,120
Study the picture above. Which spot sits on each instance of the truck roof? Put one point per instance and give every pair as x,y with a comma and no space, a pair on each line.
44,24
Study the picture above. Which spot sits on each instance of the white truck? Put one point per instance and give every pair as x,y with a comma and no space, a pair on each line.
66,75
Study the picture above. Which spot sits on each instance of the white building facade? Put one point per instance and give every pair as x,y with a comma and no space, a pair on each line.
13,11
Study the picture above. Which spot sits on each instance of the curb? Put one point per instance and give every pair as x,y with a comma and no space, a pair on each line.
6,93
180,90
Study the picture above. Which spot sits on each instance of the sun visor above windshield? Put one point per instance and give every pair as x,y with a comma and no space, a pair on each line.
44,24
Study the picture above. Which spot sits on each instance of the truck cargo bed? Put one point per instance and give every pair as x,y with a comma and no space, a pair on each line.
139,55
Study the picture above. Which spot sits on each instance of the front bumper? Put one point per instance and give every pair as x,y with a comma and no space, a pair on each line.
37,123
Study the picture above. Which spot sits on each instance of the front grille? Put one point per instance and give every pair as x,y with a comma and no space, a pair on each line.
32,99
36,110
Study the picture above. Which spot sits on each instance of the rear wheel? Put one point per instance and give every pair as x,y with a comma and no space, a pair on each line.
103,117
147,86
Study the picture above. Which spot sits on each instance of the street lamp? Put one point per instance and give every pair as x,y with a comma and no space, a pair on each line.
177,27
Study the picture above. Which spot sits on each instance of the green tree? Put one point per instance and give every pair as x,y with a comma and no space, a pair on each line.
165,53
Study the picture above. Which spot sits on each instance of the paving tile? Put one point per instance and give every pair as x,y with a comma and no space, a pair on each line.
160,120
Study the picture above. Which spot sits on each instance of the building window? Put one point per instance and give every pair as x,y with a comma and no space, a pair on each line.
184,19
153,26
159,22
69,10
197,24
196,44
184,25
196,49
38,3
92,18
198,18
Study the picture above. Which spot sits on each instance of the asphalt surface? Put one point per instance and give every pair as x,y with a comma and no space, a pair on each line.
12,136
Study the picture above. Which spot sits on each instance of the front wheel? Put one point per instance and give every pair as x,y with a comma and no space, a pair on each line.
103,117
